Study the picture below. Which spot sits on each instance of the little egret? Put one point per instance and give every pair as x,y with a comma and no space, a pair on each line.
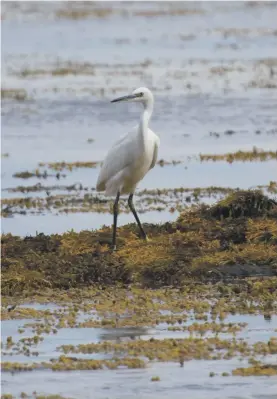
130,158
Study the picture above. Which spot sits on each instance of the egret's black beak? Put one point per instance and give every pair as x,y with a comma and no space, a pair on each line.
125,98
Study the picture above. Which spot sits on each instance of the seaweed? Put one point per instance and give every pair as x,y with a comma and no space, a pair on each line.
235,238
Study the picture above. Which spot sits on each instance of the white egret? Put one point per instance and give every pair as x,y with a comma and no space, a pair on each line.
130,158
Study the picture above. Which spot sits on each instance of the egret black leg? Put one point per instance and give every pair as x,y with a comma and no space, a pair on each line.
115,213
131,205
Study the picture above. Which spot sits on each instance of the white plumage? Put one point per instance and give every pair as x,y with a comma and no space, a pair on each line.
127,162
132,156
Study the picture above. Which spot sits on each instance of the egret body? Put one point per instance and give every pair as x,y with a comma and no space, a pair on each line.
130,158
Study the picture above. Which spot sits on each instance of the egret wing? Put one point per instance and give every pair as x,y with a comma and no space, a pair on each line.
119,157
155,154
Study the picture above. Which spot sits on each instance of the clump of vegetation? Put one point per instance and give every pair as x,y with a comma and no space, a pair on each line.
172,349
59,166
169,12
205,242
83,13
14,94
69,68
64,363
244,156
162,162
243,203
258,370
37,173
39,187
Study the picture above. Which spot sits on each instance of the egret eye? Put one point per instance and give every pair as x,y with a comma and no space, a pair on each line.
141,94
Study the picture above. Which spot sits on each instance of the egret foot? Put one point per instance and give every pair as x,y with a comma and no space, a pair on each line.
143,236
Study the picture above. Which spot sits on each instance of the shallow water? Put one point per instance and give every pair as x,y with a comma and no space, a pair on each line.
184,65
192,379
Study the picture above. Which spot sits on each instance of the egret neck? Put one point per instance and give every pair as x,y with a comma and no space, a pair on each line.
144,121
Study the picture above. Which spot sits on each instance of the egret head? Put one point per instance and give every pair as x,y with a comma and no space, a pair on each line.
142,94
